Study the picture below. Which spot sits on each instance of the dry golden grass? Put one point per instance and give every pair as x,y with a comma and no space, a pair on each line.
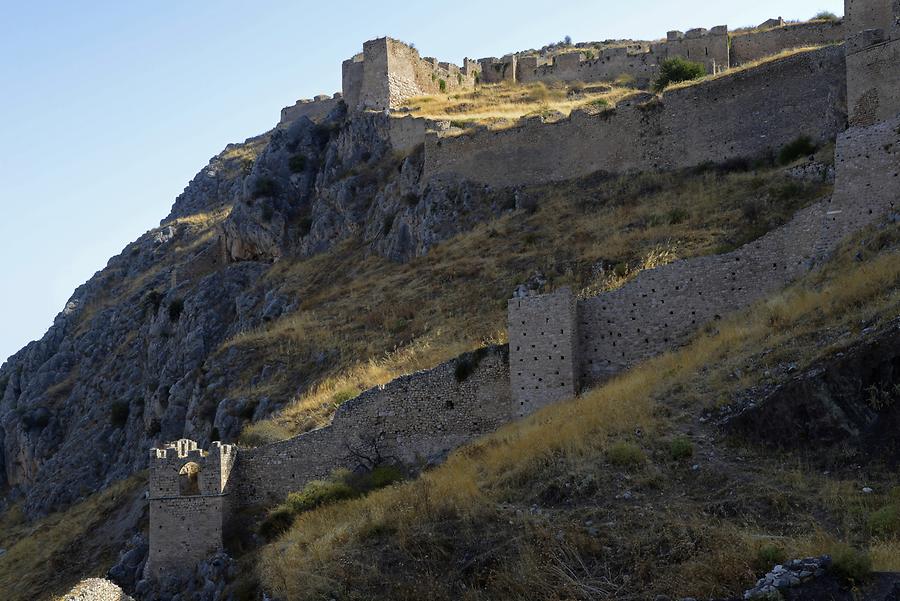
503,104
52,554
399,539
416,315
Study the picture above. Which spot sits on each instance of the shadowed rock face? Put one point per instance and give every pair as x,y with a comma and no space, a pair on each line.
843,408
136,357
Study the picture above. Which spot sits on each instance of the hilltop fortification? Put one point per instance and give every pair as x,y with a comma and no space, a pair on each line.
560,344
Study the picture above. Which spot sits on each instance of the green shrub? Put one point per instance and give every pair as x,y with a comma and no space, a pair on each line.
850,564
384,475
276,521
681,448
885,521
297,163
767,556
825,15
801,147
599,103
677,69
175,309
118,413
677,215
318,493
442,85
265,186
625,454
345,394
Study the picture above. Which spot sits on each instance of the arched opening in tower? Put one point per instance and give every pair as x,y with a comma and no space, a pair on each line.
189,479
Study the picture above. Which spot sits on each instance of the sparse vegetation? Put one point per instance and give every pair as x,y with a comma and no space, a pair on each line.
801,147
681,447
676,70
118,413
78,542
501,105
419,314
826,15
297,163
521,502
341,486
265,187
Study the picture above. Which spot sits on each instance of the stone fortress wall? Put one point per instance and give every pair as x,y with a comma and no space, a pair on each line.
187,503
388,71
640,60
753,45
419,418
416,419
744,114
316,109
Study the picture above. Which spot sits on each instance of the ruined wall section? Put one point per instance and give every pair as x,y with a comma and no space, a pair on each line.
744,114
389,72
873,53
711,48
416,419
640,60
754,45
542,350
315,109
661,308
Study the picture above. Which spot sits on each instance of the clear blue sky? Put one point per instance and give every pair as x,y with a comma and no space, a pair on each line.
109,108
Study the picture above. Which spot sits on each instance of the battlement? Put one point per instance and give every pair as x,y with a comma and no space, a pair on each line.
315,109
182,469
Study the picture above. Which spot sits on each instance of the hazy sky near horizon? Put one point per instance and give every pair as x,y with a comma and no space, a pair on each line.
108,108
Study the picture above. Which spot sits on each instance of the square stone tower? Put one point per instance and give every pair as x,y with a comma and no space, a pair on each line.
187,504
542,362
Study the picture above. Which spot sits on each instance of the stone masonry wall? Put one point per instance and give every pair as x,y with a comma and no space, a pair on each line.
754,45
186,526
183,532
417,418
661,308
873,53
744,114
389,71
542,350
315,109
641,61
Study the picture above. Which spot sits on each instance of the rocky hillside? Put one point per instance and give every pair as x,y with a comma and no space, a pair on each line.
298,256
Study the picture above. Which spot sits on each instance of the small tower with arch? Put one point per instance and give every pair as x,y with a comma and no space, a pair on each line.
187,504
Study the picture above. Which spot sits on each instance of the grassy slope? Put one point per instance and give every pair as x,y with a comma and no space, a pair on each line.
418,314
48,556
585,499
499,105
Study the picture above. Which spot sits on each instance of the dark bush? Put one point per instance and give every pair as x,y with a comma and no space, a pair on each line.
885,521
851,564
265,186
442,85
768,556
464,368
801,147
677,69
681,448
152,301
267,212
277,521
297,163
118,413
175,309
